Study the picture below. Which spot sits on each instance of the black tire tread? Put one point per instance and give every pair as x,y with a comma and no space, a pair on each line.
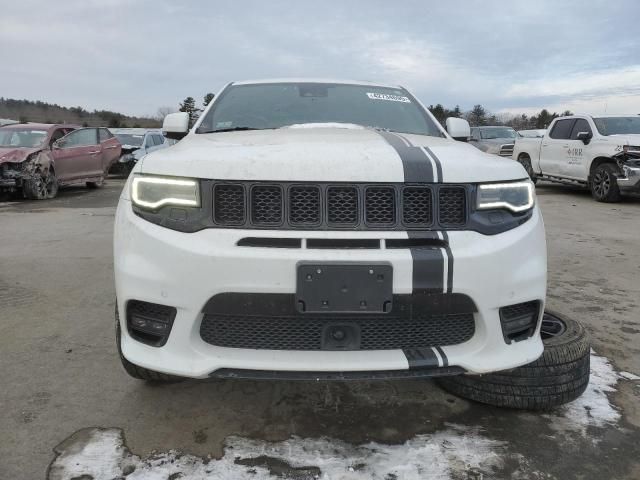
613,195
524,159
560,375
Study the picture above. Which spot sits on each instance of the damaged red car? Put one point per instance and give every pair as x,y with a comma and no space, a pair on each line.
36,159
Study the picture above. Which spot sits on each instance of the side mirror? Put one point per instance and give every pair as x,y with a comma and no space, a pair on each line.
176,125
585,137
458,128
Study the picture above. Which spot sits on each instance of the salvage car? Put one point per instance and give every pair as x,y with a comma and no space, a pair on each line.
599,152
496,140
136,142
334,230
36,159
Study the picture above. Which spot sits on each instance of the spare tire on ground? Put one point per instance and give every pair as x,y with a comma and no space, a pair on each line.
559,376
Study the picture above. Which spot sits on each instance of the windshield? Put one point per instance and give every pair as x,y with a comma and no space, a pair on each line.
22,137
277,105
618,125
498,132
130,139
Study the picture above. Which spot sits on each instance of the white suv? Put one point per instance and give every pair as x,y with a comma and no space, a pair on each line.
326,229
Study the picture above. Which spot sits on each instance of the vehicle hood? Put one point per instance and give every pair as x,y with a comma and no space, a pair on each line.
16,155
629,139
323,155
498,141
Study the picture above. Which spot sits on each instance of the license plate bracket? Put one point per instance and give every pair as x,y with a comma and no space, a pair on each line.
344,288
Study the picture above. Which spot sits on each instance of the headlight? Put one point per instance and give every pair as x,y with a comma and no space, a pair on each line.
514,196
155,192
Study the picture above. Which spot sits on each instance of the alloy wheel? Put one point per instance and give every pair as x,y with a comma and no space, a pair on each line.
552,326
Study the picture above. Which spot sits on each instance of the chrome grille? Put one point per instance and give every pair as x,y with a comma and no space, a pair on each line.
506,150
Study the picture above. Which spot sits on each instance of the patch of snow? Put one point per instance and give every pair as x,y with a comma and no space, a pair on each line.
592,408
350,126
456,452
628,376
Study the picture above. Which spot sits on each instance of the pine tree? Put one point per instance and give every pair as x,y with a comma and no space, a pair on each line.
477,116
189,106
207,99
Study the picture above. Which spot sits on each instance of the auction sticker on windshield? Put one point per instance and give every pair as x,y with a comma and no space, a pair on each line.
384,96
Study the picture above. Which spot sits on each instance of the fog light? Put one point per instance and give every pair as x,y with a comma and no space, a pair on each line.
519,321
149,323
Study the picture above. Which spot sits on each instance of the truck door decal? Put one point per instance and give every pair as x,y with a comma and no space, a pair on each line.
574,155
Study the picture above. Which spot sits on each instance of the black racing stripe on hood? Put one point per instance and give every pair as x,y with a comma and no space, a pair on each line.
436,160
428,262
415,163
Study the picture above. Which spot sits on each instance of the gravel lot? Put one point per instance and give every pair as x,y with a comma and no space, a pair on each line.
61,378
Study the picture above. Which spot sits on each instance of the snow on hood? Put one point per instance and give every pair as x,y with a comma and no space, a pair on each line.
631,138
16,155
352,126
322,154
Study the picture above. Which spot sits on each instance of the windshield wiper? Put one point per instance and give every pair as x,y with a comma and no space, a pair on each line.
231,129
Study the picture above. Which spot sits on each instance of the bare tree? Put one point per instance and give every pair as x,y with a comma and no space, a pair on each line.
163,112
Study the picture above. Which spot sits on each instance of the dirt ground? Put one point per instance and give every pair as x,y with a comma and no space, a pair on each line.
65,398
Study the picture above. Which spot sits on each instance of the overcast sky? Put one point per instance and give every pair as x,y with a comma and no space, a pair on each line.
137,56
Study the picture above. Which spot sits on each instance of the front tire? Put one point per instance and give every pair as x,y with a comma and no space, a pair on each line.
559,376
525,161
140,373
97,184
604,184
41,186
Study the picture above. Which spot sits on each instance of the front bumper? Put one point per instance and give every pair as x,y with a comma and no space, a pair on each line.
8,183
185,270
631,179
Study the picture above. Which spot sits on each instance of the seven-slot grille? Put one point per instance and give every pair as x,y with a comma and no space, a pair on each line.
338,206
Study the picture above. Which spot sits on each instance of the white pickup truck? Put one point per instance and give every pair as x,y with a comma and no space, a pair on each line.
600,152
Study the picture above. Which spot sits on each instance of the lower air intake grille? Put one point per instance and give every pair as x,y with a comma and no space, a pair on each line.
305,332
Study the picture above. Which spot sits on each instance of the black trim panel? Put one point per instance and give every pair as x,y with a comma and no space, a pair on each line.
428,372
239,303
